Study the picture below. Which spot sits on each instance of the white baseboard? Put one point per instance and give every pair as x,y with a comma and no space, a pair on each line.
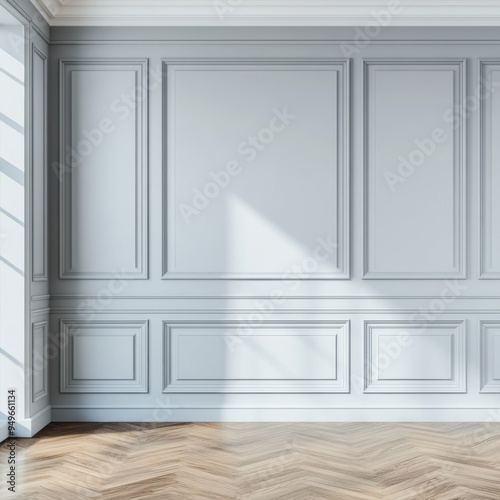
28,427
67,414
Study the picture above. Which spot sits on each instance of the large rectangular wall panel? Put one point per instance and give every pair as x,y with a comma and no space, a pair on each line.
104,356
103,169
283,358
490,356
256,170
409,357
490,170
414,169
39,165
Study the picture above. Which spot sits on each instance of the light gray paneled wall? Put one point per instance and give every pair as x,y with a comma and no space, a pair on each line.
109,157
24,213
490,207
243,227
409,234
263,188
39,352
37,23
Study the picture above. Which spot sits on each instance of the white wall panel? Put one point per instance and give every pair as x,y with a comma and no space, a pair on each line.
408,357
39,360
104,356
39,166
414,169
103,199
256,153
490,170
490,356
265,358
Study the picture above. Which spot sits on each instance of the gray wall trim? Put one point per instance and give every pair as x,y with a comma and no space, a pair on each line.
486,268
457,383
142,203
89,312
139,332
39,328
42,276
343,165
174,384
449,35
37,22
460,192
489,383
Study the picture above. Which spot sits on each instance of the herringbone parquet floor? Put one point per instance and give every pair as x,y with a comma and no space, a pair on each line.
259,461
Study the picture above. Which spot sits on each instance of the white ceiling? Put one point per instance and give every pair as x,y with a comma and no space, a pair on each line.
268,12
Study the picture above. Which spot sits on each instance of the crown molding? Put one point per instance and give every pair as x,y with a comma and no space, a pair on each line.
269,12
42,7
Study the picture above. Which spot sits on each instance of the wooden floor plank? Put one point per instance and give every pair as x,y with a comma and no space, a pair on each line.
259,462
